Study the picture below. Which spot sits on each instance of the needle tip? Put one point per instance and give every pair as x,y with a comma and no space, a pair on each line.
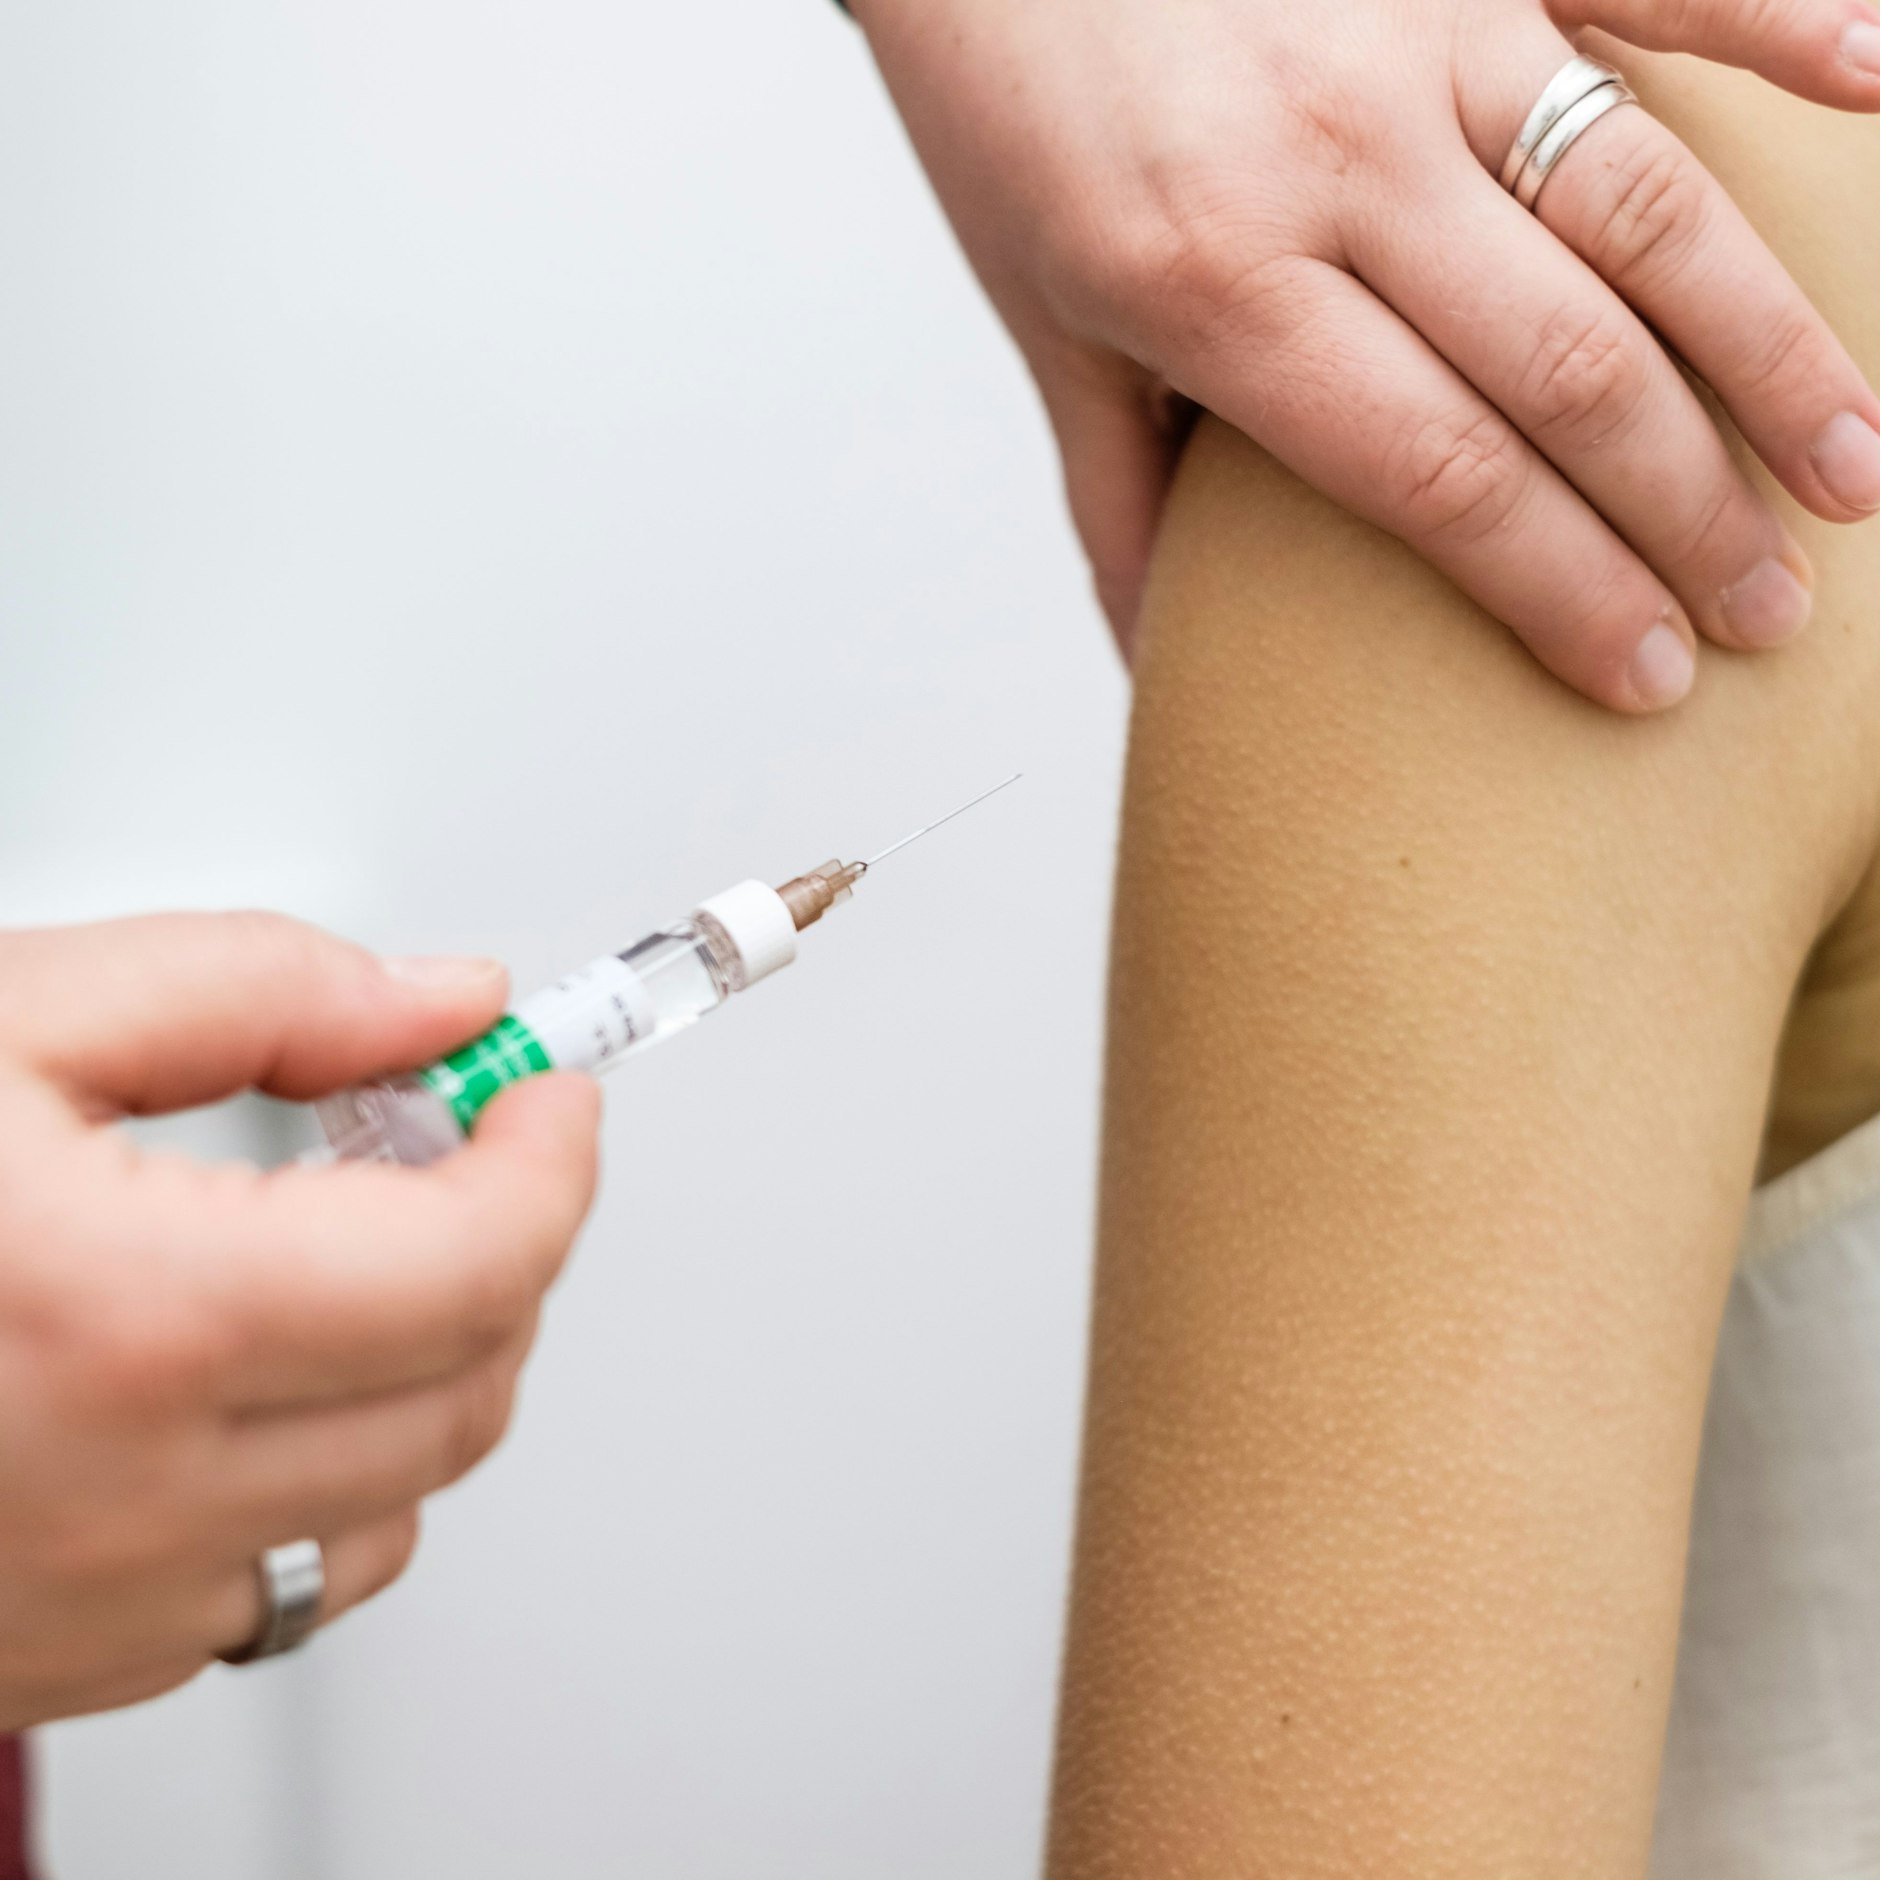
929,828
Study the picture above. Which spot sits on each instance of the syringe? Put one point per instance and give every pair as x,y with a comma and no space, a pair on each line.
601,1013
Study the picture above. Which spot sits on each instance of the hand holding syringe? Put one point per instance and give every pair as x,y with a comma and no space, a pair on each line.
605,1011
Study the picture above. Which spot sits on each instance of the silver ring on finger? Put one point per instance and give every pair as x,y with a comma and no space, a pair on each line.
293,1586
1576,98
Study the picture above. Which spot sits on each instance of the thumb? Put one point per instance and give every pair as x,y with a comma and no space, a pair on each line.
1824,50
171,1010
1120,432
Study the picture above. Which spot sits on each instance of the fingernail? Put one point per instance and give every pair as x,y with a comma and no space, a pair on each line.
1663,668
443,972
1769,605
1847,455
1860,48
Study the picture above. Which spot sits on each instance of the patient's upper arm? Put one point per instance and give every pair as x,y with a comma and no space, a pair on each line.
1444,1014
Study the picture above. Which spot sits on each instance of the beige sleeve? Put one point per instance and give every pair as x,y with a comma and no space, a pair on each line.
1443,1021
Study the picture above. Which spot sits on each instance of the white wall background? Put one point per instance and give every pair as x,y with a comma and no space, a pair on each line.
485,475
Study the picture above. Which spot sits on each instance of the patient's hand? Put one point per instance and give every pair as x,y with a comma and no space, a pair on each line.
1290,215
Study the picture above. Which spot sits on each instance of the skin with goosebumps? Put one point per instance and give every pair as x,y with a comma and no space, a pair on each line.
1446,1015
201,1362
1289,215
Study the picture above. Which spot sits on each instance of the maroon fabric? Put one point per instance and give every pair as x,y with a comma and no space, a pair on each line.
13,1862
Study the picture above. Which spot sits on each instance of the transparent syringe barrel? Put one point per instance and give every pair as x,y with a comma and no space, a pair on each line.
588,1021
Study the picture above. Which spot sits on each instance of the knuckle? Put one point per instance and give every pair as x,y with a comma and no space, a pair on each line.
1687,24
1714,528
1600,609
1200,256
263,933
294,949
392,1555
494,1299
1334,114
1650,214
1784,358
1759,22
1197,273
1459,478
1589,381
1225,299
477,1422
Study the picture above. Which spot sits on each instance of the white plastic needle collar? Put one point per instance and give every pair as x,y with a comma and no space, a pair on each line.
758,925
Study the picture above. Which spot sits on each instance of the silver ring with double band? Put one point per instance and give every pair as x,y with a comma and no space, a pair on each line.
293,1585
1576,98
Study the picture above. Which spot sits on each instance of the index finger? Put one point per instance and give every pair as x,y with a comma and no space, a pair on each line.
343,1281
166,1011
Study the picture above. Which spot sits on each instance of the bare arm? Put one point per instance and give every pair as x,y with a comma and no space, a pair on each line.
1444,1017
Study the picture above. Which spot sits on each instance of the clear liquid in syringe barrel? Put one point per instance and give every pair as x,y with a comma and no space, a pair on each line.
680,980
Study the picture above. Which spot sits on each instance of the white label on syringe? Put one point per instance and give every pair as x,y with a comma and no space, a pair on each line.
591,1015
